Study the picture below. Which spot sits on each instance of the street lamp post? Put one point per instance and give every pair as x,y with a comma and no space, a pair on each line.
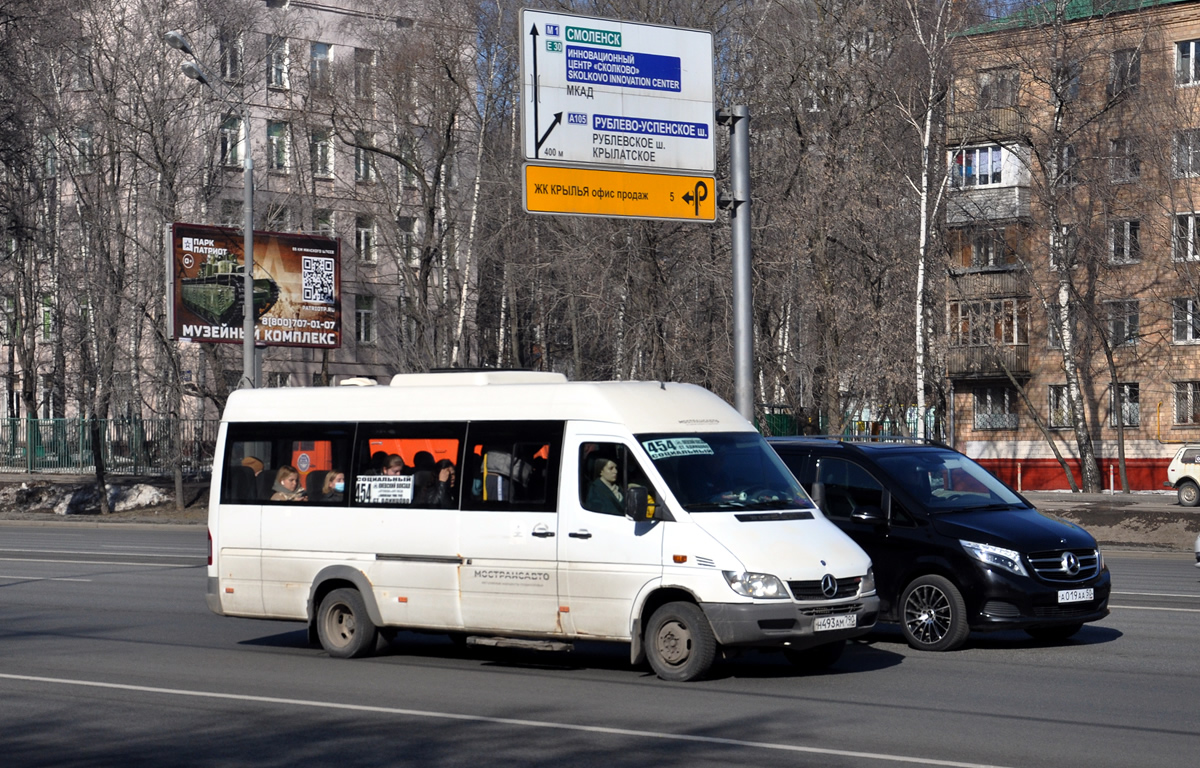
250,372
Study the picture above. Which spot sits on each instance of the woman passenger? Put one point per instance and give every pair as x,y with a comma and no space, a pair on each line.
287,482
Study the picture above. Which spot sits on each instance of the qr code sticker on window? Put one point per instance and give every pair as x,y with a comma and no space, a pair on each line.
317,274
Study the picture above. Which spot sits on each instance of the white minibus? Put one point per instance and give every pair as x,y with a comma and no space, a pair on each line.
517,508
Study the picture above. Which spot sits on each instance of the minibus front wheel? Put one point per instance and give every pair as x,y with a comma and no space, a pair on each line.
345,629
680,644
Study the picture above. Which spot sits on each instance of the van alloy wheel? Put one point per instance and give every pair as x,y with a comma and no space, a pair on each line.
934,614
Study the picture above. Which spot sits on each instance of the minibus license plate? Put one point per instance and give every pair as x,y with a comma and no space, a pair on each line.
1075,595
848,621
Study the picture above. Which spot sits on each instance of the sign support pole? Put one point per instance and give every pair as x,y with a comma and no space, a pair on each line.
251,376
743,328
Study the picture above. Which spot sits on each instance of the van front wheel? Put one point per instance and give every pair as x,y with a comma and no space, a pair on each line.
1189,494
680,644
345,629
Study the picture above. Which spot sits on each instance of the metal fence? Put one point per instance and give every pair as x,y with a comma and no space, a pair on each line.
129,446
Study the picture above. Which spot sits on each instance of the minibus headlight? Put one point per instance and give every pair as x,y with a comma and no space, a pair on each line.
1008,559
868,582
762,585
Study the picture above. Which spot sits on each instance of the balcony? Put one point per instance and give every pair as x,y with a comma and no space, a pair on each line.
971,205
991,284
995,124
987,362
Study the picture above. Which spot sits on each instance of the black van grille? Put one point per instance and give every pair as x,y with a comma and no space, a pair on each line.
1052,566
811,590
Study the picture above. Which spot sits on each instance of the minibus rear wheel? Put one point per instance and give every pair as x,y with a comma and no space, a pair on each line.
345,629
680,644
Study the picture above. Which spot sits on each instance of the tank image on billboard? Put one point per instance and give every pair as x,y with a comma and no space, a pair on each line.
297,287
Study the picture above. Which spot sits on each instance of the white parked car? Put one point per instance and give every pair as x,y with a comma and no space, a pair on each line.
1183,474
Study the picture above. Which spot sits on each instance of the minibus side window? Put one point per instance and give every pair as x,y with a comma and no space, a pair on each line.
256,452
513,465
606,472
408,464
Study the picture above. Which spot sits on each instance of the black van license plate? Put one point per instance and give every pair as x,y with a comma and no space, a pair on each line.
1075,595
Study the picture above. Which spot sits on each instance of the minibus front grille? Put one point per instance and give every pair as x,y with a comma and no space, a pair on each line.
811,590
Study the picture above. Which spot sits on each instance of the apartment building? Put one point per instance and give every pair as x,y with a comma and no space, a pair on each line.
1073,141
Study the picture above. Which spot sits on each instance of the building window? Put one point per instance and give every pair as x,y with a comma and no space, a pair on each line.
1069,77
231,213
1125,244
1186,70
995,408
364,238
982,248
977,166
989,323
320,149
231,141
1068,166
364,73
1184,238
323,221
1125,71
1122,322
1186,153
364,319
82,78
279,155
277,61
277,380
1187,402
319,73
364,165
407,226
1123,162
279,218
1128,409
998,88
1060,407
1185,321
47,317
85,148
230,53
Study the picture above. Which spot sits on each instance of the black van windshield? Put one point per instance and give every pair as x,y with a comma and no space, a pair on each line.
715,471
947,481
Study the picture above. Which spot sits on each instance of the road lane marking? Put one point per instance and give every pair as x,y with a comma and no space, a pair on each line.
1154,594
502,721
95,562
37,578
1151,608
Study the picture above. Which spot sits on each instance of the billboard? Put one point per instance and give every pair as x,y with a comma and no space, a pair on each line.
297,287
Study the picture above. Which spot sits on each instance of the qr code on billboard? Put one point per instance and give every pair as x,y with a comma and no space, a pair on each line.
318,279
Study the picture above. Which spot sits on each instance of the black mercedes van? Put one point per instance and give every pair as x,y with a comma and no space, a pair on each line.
954,548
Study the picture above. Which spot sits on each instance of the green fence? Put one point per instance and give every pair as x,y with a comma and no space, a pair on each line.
129,446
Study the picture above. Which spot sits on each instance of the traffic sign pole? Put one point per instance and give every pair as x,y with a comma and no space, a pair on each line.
743,330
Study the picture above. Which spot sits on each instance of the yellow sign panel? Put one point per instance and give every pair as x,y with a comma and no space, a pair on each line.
590,192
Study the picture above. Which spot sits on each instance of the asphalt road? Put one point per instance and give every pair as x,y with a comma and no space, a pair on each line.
108,656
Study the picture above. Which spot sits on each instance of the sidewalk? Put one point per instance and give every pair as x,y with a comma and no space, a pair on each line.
1142,519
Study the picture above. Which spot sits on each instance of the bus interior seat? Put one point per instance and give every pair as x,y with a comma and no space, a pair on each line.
239,483
313,483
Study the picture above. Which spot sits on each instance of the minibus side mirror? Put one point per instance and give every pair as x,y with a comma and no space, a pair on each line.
640,505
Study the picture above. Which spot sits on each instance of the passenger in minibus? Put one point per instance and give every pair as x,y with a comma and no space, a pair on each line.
287,480
393,465
436,490
333,488
604,494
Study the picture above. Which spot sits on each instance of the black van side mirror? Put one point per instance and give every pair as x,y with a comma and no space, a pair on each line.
640,505
869,514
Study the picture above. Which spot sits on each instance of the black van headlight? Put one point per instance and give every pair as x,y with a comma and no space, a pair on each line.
761,585
1008,559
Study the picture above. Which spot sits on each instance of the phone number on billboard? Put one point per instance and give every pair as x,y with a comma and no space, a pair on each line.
296,322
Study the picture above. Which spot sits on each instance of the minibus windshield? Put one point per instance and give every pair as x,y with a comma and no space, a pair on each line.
715,471
947,481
